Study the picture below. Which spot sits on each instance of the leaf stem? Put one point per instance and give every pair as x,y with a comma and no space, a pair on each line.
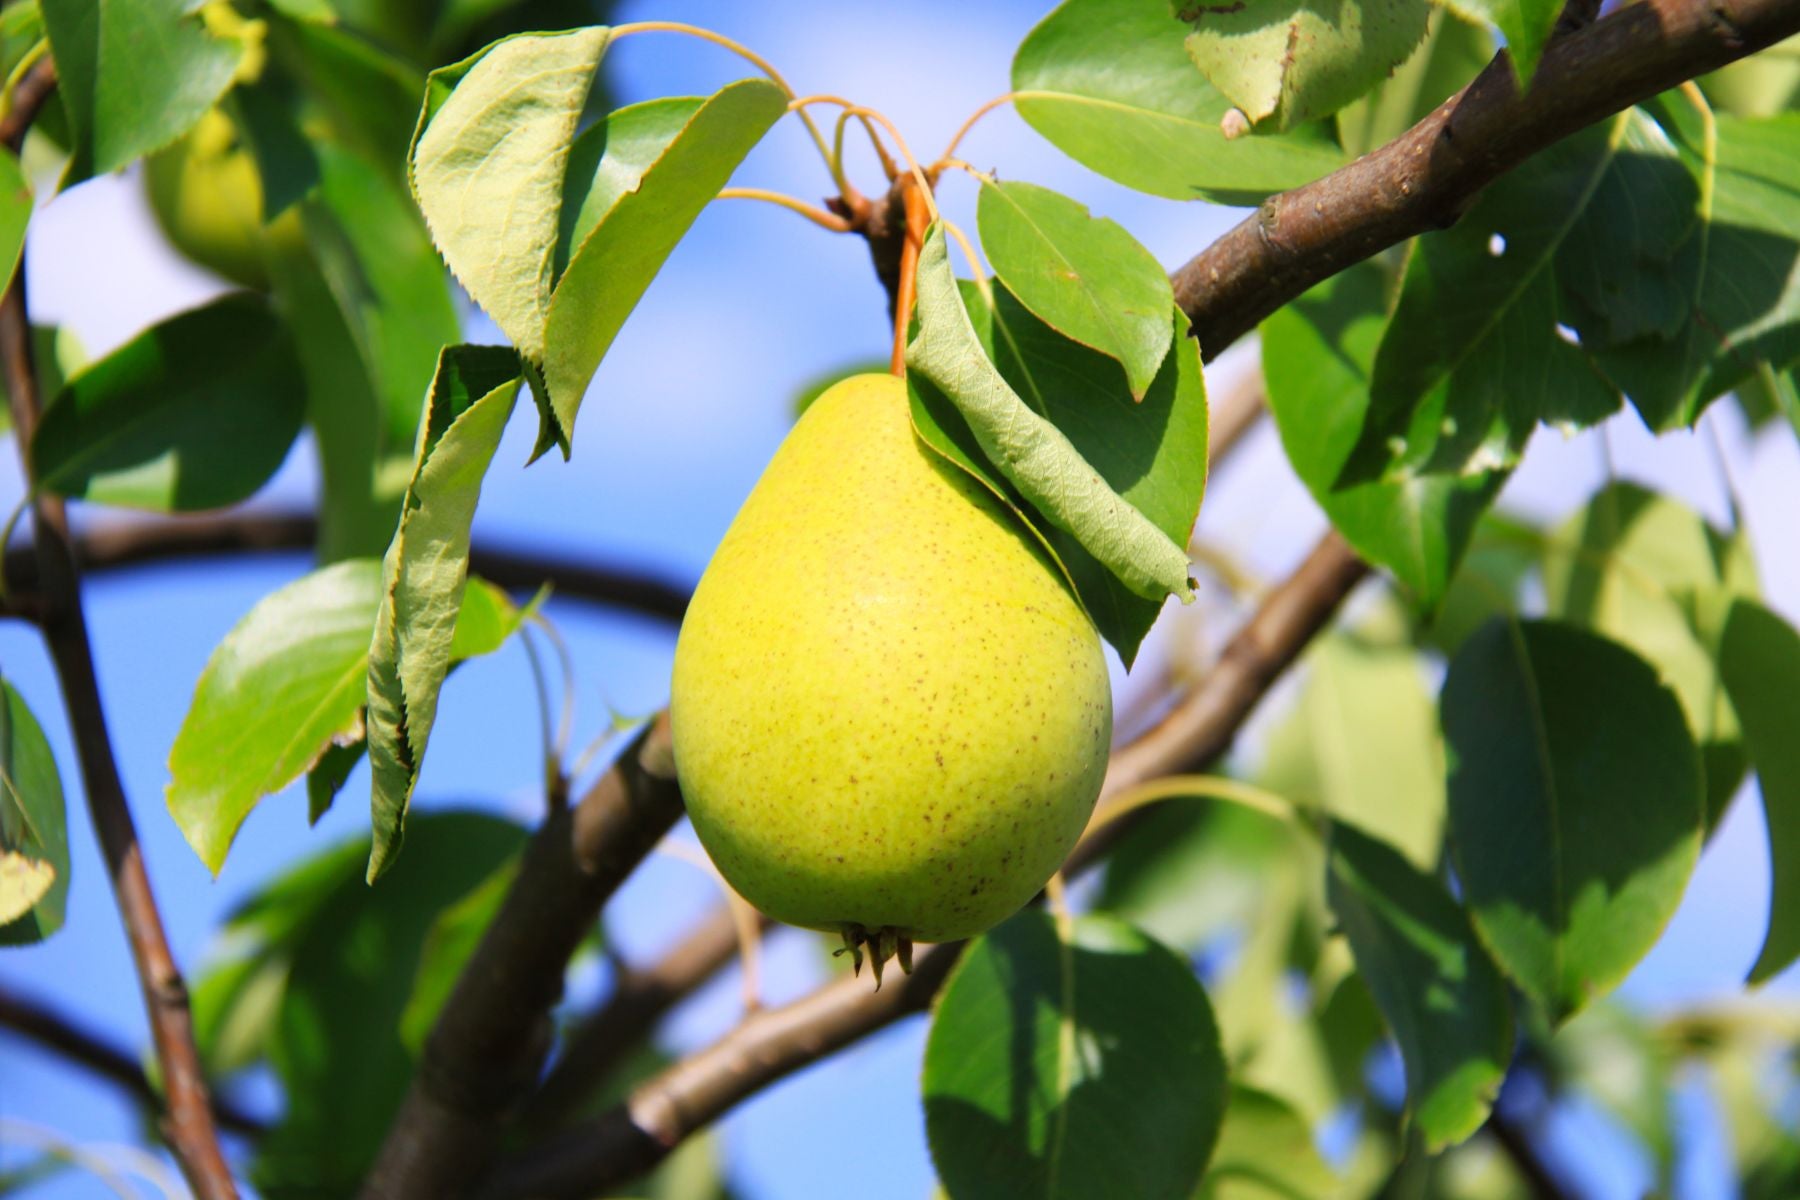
963,130
915,197
817,216
1207,787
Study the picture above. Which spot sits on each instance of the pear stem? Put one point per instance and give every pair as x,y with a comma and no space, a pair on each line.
917,217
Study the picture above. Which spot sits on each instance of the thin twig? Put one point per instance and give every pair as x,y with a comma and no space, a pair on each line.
39,1023
188,1123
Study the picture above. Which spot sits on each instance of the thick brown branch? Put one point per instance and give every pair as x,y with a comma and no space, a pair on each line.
634,1136
490,1042
1426,178
114,544
52,1030
188,1124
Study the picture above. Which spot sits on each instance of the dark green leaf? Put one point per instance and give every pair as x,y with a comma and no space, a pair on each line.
1525,24
57,353
350,955
1266,1152
1431,979
1487,584
1576,805
1759,661
1643,569
1154,127
424,574
1291,60
448,947
194,413
613,265
1083,276
1472,359
284,693
1028,449
1187,873
369,97
134,74
34,835
1453,52
1317,355
1072,1059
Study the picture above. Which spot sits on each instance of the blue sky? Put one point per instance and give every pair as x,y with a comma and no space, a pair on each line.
682,416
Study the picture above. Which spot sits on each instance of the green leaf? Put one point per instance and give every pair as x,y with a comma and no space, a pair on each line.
1740,302
1154,127
1317,355
339,961
1362,744
1472,359
1266,1152
1613,1056
194,413
1644,569
369,98
1071,1059
283,694
1575,805
1759,661
1502,555
57,353
1083,276
1431,979
424,573
134,75
1032,453
1453,53
1291,60
1188,873
1152,453
34,835
449,945
613,265
15,213
487,164
1525,24
1761,85
609,161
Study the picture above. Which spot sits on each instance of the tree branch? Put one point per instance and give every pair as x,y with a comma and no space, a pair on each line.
188,1124
38,1022
489,1044
112,545
634,1136
1427,177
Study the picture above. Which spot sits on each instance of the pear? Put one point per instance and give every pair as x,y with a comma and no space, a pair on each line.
207,195
890,715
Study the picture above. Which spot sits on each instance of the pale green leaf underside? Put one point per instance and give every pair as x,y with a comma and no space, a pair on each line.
424,573
1035,456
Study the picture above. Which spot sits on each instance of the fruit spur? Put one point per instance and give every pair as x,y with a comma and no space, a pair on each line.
891,717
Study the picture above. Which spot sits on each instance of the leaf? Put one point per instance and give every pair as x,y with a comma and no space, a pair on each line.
283,694
423,575
1612,1056
15,213
613,265
1741,297
1431,979
1266,1152
1759,661
1362,744
1153,453
368,97
194,413
1317,355
1761,85
1071,1059
34,836
1154,127
449,945
487,166
1454,52
1083,276
1291,60
1525,24
134,75
1472,359
1575,805
1034,455
334,961
1188,873
1488,584
1642,569
57,353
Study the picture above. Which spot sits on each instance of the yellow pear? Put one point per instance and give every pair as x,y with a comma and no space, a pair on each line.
207,195
890,716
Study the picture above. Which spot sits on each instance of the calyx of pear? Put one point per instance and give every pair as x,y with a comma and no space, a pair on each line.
890,715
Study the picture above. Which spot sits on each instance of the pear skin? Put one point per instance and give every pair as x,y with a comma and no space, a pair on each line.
890,716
